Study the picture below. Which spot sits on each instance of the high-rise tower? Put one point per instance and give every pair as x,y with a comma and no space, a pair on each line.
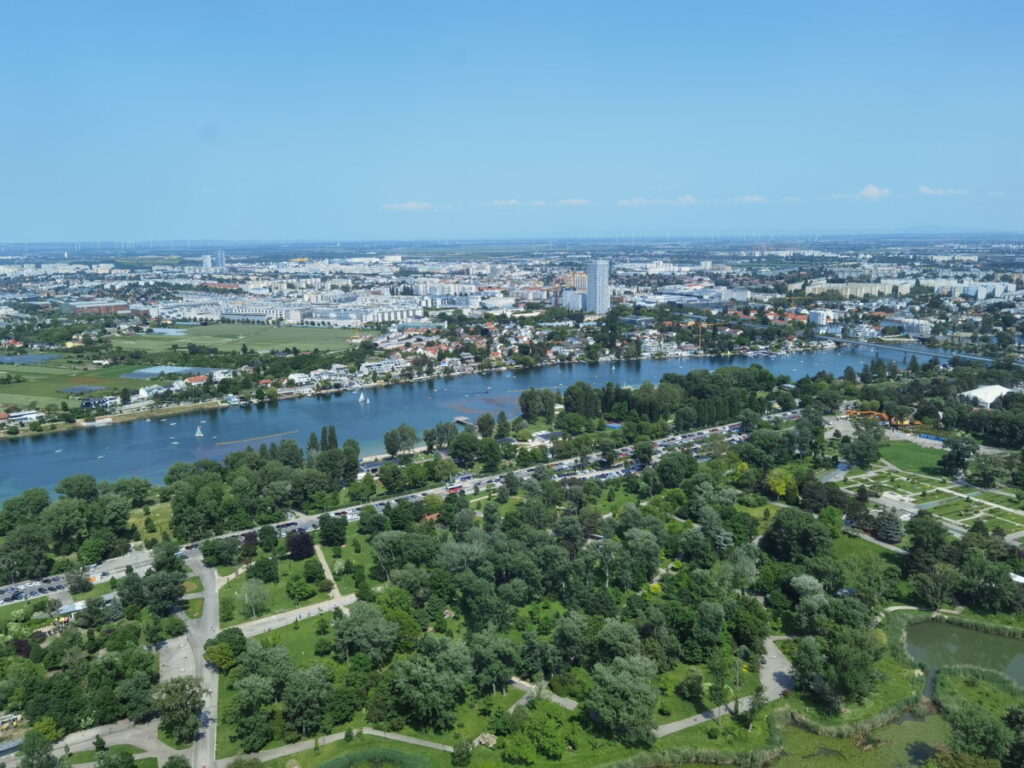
598,299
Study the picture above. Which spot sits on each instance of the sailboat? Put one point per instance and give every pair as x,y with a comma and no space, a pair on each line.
199,431
362,397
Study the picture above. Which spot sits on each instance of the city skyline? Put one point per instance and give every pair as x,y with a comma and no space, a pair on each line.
467,123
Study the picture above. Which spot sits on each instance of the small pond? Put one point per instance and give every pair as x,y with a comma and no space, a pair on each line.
939,644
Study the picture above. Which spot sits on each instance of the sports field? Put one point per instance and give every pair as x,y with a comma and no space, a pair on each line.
231,337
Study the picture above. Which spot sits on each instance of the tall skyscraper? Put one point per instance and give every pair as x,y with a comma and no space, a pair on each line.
207,262
598,300
220,260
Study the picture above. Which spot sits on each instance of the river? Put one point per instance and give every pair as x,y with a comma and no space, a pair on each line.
147,447
938,644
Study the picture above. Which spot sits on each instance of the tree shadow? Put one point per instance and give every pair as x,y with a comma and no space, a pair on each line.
920,753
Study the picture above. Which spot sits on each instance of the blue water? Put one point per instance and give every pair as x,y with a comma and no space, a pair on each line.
148,448
161,370
32,358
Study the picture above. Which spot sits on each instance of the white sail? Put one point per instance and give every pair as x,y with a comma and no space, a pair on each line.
199,431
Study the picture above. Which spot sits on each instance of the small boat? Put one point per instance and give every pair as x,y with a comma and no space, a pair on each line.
362,397
173,423
199,431
59,450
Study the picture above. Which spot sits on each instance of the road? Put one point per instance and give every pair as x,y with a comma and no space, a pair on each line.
141,560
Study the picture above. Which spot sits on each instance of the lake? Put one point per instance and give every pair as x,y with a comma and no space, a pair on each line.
147,447
939,644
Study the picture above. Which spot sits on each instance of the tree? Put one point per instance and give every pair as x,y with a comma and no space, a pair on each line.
959,451
333,530
485,425
463,754
643,451
255,596
179,702
889,527
622,700
864,448
936,587
489,454
163,591
36,751
176,761
300,545
251,716
305,698
986,470
691,688
80,486
365,630
428,694
463,449
400,439
979,732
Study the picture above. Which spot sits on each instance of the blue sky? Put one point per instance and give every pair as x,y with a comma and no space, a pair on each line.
344,120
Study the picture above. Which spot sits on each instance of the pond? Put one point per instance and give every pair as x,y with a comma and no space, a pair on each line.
939,644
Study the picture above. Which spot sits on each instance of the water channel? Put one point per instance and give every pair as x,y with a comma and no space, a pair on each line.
147,447
938,643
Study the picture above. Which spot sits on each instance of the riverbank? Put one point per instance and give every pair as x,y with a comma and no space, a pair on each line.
294,393
56,428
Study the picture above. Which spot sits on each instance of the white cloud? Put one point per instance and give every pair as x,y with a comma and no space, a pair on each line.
637,202
932,191
872,192
749,199
574,202
413,205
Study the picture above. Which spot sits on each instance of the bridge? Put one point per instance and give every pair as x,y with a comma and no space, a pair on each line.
888,348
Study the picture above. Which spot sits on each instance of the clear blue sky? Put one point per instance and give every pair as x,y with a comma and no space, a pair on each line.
346,120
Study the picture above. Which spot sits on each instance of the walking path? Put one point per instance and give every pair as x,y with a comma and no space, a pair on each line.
533,691
301,746
776,677
284,619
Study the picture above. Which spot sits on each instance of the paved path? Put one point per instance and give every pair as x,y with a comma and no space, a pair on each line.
328,573
301,746
533,691
776,677
884,545
278,620
204,752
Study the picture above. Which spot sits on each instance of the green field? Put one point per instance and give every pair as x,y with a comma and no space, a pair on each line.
911,457
230,337
89,755
43,383
278,597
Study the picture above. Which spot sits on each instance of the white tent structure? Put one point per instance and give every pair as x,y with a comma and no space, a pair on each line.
986,395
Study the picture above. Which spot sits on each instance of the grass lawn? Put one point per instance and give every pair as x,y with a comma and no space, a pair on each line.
312,758
299,638
96,590
89,755
194,609
231,337
43,383
193,584
758,513
911,456
278,599
977,693
678,708
896,683
159,513
893,745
